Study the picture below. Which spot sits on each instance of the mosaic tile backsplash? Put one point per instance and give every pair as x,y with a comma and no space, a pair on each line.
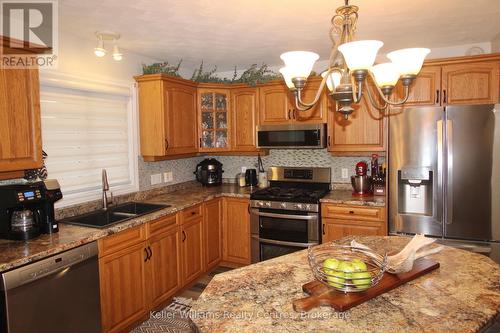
297,158
182,171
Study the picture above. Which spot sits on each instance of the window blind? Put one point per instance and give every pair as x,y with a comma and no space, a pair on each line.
83,132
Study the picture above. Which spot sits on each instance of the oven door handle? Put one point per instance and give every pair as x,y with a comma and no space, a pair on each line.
277,242
285,216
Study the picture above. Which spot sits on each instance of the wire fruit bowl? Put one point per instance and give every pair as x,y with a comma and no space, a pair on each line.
346,268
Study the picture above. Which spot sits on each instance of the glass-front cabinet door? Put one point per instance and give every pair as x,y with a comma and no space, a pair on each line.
213,106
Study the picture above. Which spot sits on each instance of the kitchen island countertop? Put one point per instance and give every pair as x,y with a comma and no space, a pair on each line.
463,295
345,197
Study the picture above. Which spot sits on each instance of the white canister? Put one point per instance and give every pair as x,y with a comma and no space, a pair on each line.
263,179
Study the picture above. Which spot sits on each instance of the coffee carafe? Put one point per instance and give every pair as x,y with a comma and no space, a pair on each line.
24,223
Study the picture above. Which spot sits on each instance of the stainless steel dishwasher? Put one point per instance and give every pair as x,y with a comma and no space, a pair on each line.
56,294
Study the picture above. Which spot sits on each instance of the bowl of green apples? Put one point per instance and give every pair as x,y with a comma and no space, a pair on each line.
346,268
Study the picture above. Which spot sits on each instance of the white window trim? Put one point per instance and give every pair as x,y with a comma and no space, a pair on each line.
123,88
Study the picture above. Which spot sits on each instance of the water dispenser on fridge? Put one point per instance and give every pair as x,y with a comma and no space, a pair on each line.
415,191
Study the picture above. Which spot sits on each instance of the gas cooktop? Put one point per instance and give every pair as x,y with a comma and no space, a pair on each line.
289,194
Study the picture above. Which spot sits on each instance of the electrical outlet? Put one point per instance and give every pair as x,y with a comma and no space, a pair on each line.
168,177
243,169
156,179
345,173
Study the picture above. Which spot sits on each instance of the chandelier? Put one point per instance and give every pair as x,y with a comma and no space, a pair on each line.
348,69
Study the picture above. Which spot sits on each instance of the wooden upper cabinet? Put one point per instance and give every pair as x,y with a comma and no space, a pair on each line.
181,119
424,91
317,114
20,129
212,231
244,104
277,104
471,83
363,131
236,231
274,105
167,116
214,119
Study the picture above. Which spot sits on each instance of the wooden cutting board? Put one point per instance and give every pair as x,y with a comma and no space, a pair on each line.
321,294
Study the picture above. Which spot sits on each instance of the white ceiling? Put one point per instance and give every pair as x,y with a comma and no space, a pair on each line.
241,32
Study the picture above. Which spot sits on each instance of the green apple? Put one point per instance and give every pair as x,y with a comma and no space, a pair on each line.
331,263
336,279
362,280
347,268
359,265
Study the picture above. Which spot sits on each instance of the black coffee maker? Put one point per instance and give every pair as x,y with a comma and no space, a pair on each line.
209,172
27,210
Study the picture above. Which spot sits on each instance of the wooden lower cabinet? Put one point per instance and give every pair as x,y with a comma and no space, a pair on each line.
122,285
337,229
162,269
339,221
236,231
192,250
212,233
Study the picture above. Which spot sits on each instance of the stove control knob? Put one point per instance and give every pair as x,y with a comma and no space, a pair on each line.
268,204
308,207
283,205
260,203
299,206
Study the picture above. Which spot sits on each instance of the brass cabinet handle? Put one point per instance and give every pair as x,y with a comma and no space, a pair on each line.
146,253
328,143
289,110
166,144
200,142
193,212
444,96
324,229
351,212
437,96
184,236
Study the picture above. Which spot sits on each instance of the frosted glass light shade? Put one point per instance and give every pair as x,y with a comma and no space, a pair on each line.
299,63
333,80
360,54
386,74
409,61
287,76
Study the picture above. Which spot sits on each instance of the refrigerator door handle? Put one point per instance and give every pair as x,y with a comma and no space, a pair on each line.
449,174
440,155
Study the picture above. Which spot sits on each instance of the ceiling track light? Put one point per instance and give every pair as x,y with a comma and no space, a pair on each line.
350,66
102,36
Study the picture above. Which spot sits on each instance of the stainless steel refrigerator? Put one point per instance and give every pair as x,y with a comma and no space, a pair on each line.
444,175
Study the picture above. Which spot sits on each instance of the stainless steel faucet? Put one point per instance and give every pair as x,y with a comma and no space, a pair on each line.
105,189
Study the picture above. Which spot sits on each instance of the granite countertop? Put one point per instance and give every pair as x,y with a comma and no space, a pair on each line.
345,197
17,253
463,295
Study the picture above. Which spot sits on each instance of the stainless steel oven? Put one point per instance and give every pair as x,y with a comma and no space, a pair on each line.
277,231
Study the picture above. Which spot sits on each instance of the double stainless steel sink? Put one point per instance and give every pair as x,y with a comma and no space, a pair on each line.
104,218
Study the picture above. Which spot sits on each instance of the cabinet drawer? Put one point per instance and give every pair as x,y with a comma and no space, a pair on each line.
121,240
161,225
353,212
190,214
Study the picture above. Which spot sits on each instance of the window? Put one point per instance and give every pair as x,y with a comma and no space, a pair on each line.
88,126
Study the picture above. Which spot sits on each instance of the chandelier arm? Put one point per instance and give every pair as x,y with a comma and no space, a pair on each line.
298,104
374,103
303,106
357,92
386,100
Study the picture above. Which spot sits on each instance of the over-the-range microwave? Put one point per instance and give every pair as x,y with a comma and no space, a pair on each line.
291,136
